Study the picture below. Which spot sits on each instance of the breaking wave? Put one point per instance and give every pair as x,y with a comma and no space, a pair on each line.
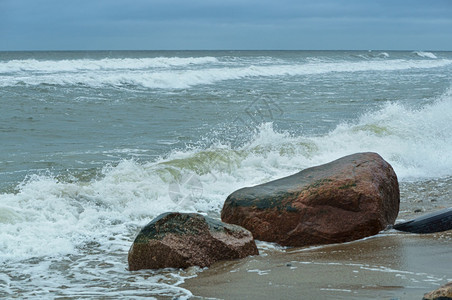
425,54
49,216
159,73
106,64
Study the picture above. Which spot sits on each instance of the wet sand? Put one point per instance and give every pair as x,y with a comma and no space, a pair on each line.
391,265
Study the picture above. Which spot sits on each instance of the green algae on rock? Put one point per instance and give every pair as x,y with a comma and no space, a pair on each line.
180,240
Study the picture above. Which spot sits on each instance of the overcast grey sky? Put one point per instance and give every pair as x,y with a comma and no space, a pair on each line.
226,24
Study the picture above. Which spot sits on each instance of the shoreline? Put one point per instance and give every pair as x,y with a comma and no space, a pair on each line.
391,265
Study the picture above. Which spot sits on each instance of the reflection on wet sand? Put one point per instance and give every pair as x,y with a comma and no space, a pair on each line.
390,265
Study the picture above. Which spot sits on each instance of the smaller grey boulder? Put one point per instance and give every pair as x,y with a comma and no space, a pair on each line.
181,240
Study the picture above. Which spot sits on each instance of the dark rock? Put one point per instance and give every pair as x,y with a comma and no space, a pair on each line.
443,293
437,221
177,240
350,198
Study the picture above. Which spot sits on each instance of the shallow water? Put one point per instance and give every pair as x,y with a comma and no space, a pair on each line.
388,266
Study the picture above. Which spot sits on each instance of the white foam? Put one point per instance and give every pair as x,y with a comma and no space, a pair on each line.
417,143
49,217
77,65
188,77
425,54
336,290
8,215
259,272
56,217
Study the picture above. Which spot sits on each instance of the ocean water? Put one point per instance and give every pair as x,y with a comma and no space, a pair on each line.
93,145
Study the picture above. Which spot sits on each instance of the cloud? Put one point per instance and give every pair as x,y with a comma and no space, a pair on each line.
207,24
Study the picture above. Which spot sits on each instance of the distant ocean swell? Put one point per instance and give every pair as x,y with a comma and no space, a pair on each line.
49,215
77,65
179,73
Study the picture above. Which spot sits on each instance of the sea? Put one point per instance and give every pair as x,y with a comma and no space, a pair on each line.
95,144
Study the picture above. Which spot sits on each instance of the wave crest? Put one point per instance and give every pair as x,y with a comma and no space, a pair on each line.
48,216
425,54
188,77
110,64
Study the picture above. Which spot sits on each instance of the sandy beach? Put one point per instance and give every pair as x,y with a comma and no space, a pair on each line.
391,265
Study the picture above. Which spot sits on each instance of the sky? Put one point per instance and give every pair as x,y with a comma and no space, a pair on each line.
225,25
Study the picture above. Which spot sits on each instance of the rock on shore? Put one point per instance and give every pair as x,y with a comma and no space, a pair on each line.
350,198
443,293
178,240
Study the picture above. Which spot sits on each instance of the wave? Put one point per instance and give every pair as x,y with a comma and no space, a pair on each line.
49,216
417,142
425,54
186,78
52,66
371,55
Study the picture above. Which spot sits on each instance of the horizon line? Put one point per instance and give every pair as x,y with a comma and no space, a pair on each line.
219,50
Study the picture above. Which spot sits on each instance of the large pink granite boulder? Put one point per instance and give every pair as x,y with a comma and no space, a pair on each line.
348,199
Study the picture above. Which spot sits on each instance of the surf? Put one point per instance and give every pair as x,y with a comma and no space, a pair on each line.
75,65
67,214
183,73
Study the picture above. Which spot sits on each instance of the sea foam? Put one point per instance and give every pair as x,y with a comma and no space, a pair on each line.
47,216
76,65
136,73
425,54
